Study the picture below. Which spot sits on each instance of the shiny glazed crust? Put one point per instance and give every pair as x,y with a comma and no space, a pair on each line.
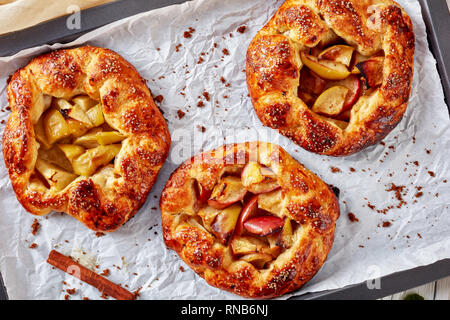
274,64
110,197
307,200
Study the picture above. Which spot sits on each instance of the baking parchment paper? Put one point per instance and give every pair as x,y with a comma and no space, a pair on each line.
397,190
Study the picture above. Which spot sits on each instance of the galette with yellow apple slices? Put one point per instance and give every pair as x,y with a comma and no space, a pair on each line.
249,219
84,137
332,75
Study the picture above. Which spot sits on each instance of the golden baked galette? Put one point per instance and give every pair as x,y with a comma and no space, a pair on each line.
249,219
332,75
84,137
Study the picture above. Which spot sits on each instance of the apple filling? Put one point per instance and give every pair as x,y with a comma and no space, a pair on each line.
74,140
334,78
244,212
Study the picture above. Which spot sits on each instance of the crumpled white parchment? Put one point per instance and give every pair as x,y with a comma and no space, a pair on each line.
414,155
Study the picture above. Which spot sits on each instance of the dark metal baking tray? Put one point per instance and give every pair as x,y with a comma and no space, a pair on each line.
437,19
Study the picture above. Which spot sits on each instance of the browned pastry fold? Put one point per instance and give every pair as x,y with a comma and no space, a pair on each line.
274,65
301,198
108,198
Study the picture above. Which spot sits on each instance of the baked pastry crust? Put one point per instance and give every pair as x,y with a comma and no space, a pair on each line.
274,64
111,196
307,200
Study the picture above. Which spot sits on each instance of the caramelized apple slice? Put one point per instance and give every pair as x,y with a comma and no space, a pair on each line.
331,101
250,208
225,223
77,128
372,71
338,53
39,133
325,69
208,215
229,190
55,126
310,82
271,202
285,237
258,179
246,245
251,174
84,102
71,151
264,225
259,260
55,176
88,162
55,156
353,84
203,194
92,140
95,114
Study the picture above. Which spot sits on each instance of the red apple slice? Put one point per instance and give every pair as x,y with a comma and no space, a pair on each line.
203,193
250,208
225,223
264,225
229,190
325,69
264,187
372,71
354,86
331,101
338,53
310,82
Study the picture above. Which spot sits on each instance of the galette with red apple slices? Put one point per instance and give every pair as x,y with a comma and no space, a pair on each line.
249,219
84,137
332,75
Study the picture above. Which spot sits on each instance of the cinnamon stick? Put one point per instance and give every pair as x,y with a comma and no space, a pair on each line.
106,287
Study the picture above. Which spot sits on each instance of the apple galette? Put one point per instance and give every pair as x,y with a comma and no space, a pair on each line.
332,75
84,137
249,219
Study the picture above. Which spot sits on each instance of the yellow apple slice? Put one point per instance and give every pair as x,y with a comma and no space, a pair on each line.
55,126
223,226
84,102
95,114
92,159
71,151
56,177
77,128
331,101
257,259
271,202
229,190
285,238
246,245
372,71
92,140
55,156
338,53
325,69
39,133
208,215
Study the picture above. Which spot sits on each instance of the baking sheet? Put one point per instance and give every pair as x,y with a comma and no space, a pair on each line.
135,255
